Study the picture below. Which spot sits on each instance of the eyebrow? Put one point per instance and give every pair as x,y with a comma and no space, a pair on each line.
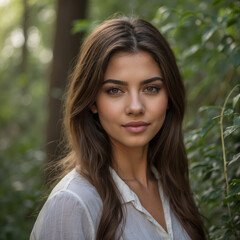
123,83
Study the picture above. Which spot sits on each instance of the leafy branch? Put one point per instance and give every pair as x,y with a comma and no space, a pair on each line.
223,147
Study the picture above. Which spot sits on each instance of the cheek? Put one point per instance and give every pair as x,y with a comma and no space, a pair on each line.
159,107
108,110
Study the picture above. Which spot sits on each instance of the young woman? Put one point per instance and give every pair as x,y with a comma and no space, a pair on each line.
126,175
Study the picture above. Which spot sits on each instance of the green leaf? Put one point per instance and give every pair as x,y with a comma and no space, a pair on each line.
191,50
234,181
80,26
230,130
162,10
226,219
168,27
231,198
234,192
198,166
235,100
235,57
206,175
215,194
189,13
234,189
228,112
208,33
235,158
207,127
204,108
227,234
231,21
236,120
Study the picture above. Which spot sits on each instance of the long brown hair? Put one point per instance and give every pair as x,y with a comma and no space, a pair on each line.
89,145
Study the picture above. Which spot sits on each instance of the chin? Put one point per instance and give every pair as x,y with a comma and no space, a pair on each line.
136,144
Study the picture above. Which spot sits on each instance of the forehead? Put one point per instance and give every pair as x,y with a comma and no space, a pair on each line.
126,65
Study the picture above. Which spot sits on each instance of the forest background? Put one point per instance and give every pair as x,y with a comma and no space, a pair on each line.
38,43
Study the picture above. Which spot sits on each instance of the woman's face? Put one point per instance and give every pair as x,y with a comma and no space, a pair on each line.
132,101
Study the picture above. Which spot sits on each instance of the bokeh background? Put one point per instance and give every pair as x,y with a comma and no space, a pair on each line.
39,41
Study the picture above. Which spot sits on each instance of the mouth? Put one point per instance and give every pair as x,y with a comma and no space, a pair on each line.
136,127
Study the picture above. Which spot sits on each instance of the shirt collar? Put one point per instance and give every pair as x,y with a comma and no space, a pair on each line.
126,193
128,196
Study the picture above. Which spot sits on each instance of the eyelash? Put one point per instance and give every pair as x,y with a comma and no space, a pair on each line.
155,89
110,91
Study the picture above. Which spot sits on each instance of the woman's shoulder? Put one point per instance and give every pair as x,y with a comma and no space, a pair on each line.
77,187
72,210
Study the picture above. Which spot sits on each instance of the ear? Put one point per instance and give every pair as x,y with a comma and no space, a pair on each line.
94,108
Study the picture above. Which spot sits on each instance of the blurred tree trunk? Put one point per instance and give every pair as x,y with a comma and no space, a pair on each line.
66,48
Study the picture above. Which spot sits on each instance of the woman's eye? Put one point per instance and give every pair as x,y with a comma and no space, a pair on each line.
152,89
114,91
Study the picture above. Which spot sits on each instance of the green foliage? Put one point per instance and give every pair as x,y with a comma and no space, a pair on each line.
101,11
215,169
22,114
206,43
21,190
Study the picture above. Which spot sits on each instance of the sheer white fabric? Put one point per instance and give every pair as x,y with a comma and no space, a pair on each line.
73,211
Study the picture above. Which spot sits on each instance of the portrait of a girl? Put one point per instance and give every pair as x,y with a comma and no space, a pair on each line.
126,173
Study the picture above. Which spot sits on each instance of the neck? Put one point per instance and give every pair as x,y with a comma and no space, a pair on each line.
131,164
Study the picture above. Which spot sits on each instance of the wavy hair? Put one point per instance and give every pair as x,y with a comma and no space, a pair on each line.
89,145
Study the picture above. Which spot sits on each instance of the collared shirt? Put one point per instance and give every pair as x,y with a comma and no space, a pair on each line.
73,211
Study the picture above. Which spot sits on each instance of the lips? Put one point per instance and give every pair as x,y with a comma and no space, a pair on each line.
136,127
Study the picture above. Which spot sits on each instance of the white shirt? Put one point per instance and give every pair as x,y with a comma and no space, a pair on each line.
73,212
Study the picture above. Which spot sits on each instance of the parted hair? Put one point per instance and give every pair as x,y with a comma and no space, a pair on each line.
89,145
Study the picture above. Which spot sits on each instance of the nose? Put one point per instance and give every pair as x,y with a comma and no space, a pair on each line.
135,104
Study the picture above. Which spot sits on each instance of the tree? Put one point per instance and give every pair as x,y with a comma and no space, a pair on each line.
66,48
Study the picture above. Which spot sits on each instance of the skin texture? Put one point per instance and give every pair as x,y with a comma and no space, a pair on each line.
117,105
